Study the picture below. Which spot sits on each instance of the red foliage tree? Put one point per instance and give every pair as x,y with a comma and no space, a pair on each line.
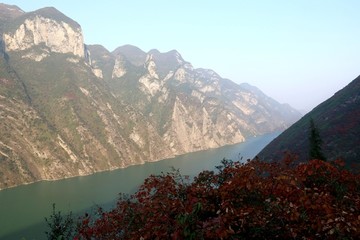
314,200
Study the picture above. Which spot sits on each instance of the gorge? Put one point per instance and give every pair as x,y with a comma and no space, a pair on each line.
70,109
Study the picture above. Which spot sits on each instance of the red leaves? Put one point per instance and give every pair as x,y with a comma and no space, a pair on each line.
254,200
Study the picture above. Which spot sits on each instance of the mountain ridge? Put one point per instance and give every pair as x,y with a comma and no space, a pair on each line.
91,110
337,120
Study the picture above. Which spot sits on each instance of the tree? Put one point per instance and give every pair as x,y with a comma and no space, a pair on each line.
255,200
61,227
315,143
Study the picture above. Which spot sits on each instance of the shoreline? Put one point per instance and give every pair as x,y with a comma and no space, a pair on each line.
124,167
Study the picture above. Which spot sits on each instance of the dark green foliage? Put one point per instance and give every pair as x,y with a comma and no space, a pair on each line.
61,227
338,121
315,142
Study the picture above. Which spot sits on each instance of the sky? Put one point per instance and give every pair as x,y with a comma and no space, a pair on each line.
297,52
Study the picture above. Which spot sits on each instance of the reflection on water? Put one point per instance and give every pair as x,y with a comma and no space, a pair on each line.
22,209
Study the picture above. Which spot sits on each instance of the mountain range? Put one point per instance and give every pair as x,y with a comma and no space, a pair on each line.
70,109
337,121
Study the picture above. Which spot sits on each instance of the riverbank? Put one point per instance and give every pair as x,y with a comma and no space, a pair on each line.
23,208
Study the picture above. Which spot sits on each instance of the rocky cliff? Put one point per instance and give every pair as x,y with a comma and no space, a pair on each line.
71,109
47,29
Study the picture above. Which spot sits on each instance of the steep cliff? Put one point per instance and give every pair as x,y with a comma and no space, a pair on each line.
195,109
48,29
71,109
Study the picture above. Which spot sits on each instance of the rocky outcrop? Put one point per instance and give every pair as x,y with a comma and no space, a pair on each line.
192,129
67,109
195,109
119,68
49,34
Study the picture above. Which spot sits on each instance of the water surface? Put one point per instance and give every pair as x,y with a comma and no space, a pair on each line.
23,208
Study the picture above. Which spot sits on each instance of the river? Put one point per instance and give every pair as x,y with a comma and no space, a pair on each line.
23,208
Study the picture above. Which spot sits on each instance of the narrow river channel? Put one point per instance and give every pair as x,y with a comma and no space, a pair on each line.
23,208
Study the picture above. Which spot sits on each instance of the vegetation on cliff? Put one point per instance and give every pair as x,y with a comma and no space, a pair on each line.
336,119
315,142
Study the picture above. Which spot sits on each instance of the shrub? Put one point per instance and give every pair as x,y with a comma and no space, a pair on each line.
239,201
61,227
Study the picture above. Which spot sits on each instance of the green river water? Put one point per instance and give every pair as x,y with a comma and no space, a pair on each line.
23,208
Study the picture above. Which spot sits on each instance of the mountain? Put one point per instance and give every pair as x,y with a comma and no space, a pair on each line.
70,109
8,13
133,54
337,120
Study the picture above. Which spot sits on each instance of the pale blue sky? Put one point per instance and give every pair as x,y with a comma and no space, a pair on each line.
296,51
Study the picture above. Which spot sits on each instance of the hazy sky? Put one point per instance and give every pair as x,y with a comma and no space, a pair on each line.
296,51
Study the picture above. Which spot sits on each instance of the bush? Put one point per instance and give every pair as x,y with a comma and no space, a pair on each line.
61,227
240,201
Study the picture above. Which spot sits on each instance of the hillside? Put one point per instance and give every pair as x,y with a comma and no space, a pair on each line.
337,120
71,109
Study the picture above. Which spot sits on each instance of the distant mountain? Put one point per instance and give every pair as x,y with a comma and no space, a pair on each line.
338,121
71,109
8,13
133,54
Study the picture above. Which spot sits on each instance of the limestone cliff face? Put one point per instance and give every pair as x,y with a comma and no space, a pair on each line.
190,124
194,109
51,35
192,129
67,109
119,68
